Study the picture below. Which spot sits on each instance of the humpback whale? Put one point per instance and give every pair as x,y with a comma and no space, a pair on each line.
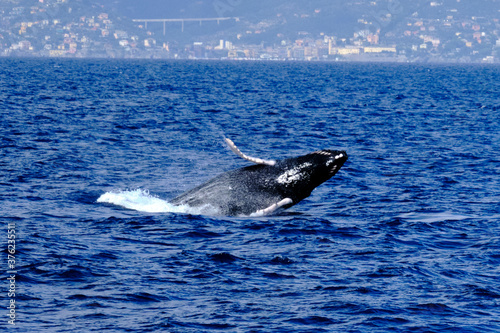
266,186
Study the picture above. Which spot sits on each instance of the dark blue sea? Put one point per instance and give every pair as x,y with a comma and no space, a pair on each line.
405,238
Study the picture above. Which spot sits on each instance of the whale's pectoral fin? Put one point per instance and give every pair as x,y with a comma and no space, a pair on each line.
248,158
271,209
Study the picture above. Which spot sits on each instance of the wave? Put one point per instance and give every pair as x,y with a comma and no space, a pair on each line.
431,217
142,201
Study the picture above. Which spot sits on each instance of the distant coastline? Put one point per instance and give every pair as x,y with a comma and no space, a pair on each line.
56,29
395,60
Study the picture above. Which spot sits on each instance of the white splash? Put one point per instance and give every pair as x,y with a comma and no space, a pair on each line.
142,201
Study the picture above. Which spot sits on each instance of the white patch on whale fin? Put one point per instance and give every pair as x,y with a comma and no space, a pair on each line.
248,158
271,209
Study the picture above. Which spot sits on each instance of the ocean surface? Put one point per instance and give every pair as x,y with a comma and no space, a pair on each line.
405,238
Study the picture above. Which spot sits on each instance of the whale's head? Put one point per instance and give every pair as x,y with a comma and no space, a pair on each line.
298,176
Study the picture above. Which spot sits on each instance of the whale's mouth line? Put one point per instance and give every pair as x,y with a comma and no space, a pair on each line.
333,170
336,161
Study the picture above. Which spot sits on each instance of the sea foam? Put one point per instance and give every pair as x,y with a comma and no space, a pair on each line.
141,200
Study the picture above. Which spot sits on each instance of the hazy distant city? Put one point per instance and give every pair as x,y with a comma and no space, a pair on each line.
321,30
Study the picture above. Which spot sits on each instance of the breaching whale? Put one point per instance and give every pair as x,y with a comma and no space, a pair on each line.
266,186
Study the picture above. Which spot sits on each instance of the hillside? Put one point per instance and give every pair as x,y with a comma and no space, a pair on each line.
446,30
